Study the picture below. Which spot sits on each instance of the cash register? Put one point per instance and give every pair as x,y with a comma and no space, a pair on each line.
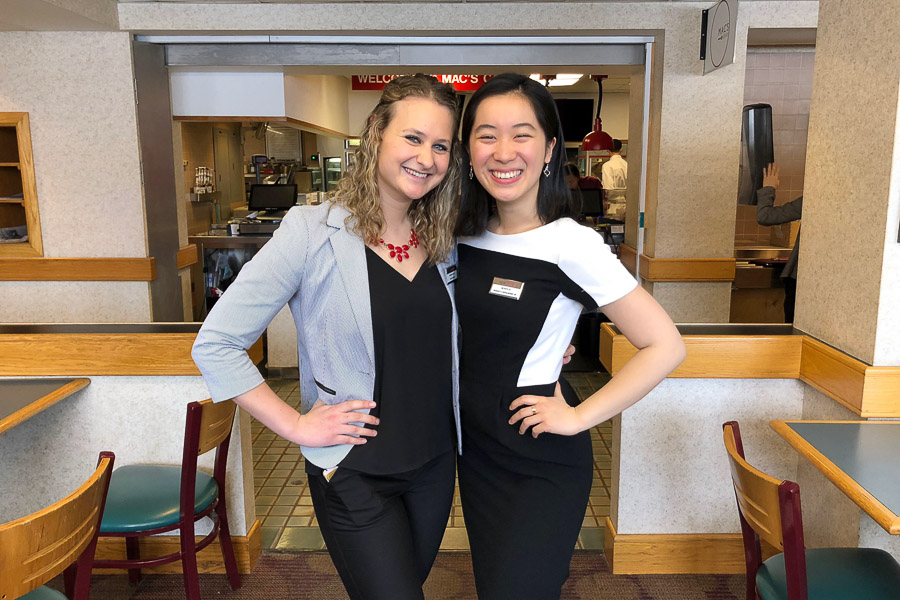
268,204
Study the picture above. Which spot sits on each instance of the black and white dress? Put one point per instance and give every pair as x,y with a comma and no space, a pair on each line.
519,297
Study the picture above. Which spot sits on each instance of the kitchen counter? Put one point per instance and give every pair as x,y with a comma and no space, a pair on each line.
221,239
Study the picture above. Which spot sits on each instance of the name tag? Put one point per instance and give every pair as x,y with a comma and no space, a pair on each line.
452,274
507,288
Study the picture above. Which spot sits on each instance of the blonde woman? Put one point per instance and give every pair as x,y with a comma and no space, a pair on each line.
368,277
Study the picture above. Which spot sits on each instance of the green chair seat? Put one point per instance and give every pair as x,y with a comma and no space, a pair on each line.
43,593
836,574
143,497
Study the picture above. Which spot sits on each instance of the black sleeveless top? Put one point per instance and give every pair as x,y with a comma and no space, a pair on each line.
411,323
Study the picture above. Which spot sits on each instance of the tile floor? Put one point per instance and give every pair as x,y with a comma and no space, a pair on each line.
284,506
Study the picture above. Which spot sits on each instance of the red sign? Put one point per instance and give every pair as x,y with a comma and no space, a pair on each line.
462,83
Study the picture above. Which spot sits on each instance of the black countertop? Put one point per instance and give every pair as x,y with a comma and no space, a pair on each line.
732,329
74,328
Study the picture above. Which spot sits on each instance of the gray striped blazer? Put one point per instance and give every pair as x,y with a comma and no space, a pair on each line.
316,266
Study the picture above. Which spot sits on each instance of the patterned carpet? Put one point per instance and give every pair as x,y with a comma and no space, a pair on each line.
311,575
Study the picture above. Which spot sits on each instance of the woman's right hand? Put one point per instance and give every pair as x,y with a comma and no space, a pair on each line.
330,425
770,176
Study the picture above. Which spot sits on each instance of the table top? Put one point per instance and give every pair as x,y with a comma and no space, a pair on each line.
859,457
21,399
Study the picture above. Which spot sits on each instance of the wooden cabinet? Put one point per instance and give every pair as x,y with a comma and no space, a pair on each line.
18,194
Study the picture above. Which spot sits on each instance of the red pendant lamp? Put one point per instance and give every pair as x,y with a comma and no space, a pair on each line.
597,139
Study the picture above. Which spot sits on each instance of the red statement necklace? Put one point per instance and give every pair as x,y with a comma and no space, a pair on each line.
400,252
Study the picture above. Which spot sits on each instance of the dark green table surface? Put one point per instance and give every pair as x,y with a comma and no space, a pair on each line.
16,394
869,453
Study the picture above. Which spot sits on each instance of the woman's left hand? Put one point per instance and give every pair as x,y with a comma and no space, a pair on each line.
545,414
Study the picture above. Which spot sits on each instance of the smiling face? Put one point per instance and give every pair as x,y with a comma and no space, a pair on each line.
414,154
508,149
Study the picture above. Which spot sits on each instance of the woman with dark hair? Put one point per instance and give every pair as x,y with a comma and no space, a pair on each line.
367,276
526,272
573,176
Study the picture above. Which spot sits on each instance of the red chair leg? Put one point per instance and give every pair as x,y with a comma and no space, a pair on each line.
189,561
133,552
81,580
234,578
69,580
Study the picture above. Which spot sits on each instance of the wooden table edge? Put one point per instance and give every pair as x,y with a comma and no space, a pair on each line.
853,490
43,403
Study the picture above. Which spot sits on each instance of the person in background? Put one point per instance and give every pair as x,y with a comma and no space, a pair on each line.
769,214
573,175
614,178
527,270
614,173
368,276
576,182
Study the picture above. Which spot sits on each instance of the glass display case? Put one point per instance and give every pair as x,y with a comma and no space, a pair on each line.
333,172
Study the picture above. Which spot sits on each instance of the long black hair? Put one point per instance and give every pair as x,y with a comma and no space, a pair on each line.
554,199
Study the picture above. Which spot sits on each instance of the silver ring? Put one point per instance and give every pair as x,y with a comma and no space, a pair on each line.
533,411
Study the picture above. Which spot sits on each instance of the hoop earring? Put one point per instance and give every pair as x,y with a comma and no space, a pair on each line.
471,172
547,170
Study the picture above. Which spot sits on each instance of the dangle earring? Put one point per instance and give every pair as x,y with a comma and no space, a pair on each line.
547,170
471,172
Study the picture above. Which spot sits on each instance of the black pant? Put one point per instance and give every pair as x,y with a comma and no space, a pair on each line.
384,531
790,296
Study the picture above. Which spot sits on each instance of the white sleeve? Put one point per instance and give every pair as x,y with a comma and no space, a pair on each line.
588,262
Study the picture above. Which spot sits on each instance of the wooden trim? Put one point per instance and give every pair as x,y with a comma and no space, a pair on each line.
858,494
247,550
61,354
717,356
223,119
870,392
77,269
687,269
35,246
695,553
833,373
187,256
43,403
881,392
318,128
628,257
291,120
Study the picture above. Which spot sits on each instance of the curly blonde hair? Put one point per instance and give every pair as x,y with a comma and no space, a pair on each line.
434,214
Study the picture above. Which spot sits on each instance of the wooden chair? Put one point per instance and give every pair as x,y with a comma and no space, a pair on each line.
58,539
769,509
146,500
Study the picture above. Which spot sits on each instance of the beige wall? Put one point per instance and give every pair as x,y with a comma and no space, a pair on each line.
849,279
77,88
317,99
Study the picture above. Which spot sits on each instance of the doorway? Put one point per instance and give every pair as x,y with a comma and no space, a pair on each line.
281,497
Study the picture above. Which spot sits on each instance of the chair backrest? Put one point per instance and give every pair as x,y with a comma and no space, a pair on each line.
769,509
216,421
37,547
757,493
208,426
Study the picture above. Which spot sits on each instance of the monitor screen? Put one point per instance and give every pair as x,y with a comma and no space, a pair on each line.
278,196
592,203
576,116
